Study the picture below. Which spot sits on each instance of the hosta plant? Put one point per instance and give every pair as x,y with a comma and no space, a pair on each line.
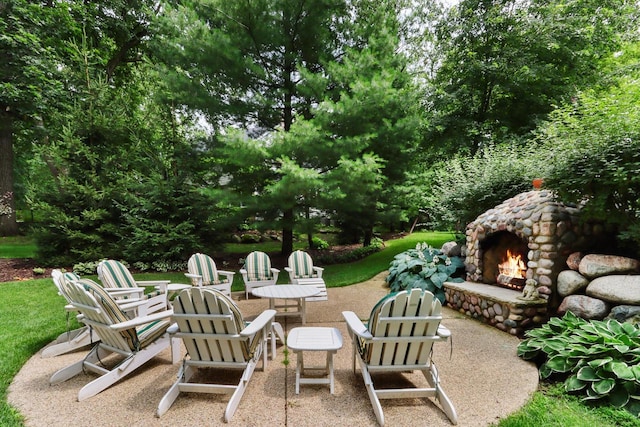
426,268
598,359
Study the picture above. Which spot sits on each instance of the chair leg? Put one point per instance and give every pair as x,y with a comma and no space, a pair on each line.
236,397
68,342
184,375
431,375
371,391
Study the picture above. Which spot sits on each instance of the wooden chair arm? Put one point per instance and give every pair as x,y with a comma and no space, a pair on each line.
356,326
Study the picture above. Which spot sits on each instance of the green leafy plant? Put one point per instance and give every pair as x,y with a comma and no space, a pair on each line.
318,243
424,267
600,359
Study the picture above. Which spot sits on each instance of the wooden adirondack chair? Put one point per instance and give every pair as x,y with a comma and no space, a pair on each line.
137,340
399,337
302,272
257,272
73,340
215,336
118,281
203,272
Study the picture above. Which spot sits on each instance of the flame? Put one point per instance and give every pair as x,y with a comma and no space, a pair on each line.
513,266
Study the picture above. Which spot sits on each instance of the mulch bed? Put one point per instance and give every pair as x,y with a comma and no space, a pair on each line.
17,269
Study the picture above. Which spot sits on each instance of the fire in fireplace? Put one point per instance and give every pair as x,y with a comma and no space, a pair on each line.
512,271
504,258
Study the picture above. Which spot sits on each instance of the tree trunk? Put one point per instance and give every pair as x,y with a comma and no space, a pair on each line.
287,232
8,222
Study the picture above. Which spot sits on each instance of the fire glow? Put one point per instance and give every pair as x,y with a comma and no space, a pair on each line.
513,266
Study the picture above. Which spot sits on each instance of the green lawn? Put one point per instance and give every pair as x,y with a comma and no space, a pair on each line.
30,323
17,247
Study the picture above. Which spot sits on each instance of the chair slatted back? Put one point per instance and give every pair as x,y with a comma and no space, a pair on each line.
210,324
404,327
301,264
101,311
114,274
203,265
258,266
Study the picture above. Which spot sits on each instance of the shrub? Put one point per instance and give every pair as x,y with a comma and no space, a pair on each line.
424,267
351,256
598,359
318,243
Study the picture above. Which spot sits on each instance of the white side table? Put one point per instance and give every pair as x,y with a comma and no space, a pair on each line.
304,339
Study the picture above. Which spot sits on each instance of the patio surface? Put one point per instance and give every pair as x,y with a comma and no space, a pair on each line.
478,367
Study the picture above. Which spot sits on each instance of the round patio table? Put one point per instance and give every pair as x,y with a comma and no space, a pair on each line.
288,292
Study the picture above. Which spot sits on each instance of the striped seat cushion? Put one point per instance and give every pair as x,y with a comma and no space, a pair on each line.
137,338
301,264
117,275
258,266
203,265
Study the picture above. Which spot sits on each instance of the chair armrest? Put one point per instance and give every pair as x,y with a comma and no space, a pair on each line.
137,321
160,284
356,326
275,270
228,274
260,322
123,292
288,269
194,277
318,270
443,332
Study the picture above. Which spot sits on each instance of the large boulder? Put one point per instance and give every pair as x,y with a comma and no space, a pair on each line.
584,307
594,265
571,282
451,249
573,260
625,313
617,289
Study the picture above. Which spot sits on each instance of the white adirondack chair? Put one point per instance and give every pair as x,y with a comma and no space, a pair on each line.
118,281
400,335
137,340
302,272
73,340
202,271
257,272
215,336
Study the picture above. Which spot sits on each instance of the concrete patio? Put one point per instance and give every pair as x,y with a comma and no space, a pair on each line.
479,371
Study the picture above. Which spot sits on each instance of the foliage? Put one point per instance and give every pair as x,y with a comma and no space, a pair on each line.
318,243
346,257
599,359
463,187
596,146
423,267
506,64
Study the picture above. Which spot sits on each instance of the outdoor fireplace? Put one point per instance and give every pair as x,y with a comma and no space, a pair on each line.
515,252
533,228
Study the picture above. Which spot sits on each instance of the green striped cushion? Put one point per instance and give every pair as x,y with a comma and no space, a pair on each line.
301,264
116,275
112,310
203,265
70,276
258,266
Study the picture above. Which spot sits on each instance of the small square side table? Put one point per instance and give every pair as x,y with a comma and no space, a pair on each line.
304,339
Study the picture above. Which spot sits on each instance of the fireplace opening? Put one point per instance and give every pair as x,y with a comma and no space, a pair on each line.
504,260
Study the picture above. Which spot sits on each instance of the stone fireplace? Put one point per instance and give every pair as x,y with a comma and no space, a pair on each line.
539,233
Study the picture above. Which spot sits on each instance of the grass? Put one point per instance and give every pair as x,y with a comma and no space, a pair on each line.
17,247
30,323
